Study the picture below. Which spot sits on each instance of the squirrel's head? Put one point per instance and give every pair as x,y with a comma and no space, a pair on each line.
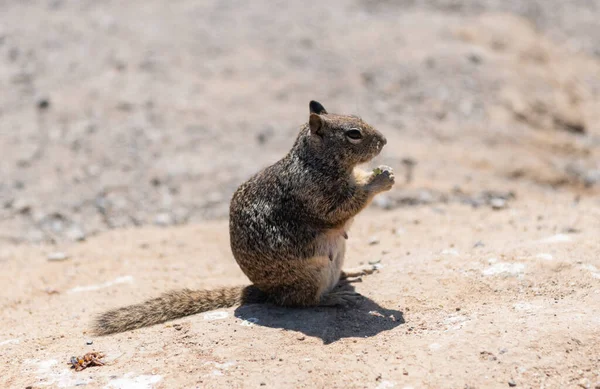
344,138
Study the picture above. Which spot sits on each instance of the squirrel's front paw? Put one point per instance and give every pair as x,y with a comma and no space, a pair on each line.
382,179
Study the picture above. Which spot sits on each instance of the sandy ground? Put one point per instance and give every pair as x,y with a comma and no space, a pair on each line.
464,299
128,126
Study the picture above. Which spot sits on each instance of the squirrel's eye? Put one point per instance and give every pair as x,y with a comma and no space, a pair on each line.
354,134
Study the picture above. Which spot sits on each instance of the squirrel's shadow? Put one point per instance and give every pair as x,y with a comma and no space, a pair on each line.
363,320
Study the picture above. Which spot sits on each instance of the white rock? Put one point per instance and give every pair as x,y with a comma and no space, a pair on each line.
558,238
504,268
219,315
58,256
498,203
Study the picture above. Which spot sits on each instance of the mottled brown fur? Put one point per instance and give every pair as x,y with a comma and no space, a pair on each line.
288,225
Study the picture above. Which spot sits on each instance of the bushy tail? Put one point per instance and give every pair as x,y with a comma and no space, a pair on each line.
173,305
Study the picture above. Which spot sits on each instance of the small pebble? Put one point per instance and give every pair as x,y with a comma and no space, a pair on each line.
58,256
512,383
301,337
373,240
474,58
399,231
163,219
21,205
89,342
498,203
75,233
43,104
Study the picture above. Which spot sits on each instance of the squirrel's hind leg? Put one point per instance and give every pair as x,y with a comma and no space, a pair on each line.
307,296
300,294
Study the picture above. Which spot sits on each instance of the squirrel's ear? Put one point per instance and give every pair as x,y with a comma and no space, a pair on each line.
315,123
316,107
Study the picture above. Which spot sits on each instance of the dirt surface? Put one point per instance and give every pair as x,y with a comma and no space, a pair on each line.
129,125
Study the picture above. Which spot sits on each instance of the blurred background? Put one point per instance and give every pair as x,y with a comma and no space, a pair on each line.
118,114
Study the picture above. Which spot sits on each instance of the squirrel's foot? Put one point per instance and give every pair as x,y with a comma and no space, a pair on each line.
360,271
340,298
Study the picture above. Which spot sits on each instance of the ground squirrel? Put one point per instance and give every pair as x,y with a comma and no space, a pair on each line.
288,225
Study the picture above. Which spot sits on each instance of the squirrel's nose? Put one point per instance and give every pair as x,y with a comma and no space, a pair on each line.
383,140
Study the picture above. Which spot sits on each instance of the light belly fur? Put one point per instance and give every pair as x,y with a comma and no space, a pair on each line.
331,260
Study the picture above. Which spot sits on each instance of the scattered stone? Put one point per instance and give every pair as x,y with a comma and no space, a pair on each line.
585,383
512,383
558,238
75,233
373,241
504,268
399,231
43,104
264,136
249,322
498,203
478,244
486,355
180,215
218,315
163,219
301,337
474,58
21,205
89,342
545,256
58,256
435,346
451,252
